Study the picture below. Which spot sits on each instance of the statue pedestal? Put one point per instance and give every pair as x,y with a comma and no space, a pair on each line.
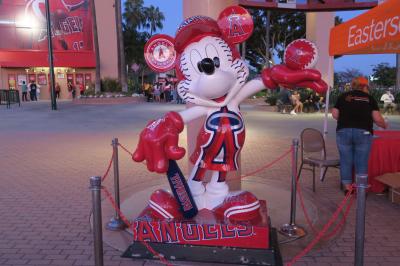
206,238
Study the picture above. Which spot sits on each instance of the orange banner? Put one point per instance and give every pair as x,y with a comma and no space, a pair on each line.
374,32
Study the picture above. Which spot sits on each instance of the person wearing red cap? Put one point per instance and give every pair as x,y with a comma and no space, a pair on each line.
356,112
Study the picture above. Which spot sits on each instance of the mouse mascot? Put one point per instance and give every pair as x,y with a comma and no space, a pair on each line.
213,79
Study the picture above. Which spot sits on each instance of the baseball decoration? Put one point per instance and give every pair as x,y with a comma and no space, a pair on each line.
301,54
159,53
213,77
236,24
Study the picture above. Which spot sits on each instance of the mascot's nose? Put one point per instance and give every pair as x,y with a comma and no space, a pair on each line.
207,66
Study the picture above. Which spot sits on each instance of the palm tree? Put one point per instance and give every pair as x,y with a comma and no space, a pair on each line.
154,18
121,51
97,86
134,14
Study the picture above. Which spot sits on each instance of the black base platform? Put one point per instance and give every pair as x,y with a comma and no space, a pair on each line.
174,252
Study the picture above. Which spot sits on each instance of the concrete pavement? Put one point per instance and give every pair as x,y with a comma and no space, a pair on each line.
46,158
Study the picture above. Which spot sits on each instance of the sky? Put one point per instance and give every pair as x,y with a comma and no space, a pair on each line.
172,10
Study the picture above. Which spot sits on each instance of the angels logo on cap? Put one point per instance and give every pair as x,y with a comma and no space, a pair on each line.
159,53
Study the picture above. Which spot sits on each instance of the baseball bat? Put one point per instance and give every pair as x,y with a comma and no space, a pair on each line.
181,191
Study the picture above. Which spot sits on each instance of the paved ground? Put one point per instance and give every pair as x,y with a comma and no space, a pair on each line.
47,156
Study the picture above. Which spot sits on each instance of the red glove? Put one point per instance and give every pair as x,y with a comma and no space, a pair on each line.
281,75
267,79
158,143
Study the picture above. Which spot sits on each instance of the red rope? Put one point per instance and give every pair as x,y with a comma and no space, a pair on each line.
322,232
125,149
342,222
108,168
308,220
128,223
267,165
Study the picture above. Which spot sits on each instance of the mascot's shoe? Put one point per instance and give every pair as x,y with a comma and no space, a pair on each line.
197,189
239,206
215,194
164,205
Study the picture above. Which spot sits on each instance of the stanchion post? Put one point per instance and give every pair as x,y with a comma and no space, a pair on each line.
95,187
116,223
362,185
291,229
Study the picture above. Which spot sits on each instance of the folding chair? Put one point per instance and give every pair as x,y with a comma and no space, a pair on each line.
313,153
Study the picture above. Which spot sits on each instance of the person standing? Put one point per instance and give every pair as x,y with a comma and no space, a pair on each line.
24,90
81,90
167,92
58,90
298,105
388,105
356,112
157,92
33,88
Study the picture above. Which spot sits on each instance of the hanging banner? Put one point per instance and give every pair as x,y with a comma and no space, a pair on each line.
32,78
21,79
88,79
42,80
70,78
11,81
79,79
23,23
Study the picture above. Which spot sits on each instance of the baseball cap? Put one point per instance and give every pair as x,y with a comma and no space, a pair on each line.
359,82
193,29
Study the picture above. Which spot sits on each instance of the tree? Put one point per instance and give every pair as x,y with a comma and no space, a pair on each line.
285,27
348,75
97,86
154,19
384,75
137,20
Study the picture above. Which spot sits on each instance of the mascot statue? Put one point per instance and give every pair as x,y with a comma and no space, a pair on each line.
213,80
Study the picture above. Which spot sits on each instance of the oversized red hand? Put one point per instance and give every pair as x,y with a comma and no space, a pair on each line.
281,75
158,143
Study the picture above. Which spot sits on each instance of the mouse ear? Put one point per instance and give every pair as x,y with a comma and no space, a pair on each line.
236,24
159,53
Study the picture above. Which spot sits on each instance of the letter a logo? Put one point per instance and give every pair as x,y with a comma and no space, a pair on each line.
235,26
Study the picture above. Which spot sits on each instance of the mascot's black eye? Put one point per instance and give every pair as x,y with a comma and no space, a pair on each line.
199,66
216,61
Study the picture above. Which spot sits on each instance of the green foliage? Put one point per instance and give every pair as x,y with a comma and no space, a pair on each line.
347,76
397,98
134,86
272,98
374,92
90,91
137,20
384,75
110,85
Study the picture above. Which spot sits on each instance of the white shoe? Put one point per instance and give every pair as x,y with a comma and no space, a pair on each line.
293,113
215,194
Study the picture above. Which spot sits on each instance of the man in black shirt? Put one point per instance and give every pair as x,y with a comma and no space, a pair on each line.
355,111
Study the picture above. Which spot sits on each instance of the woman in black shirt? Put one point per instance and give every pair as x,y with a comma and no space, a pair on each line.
355,111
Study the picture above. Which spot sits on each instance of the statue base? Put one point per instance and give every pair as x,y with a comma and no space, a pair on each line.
206,238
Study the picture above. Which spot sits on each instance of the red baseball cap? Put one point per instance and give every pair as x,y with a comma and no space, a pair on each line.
359,82
193,29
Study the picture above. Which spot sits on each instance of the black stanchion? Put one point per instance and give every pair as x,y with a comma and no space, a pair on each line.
362,185
116,222
95,187
291,229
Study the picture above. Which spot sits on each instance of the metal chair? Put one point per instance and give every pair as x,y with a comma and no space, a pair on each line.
313,153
